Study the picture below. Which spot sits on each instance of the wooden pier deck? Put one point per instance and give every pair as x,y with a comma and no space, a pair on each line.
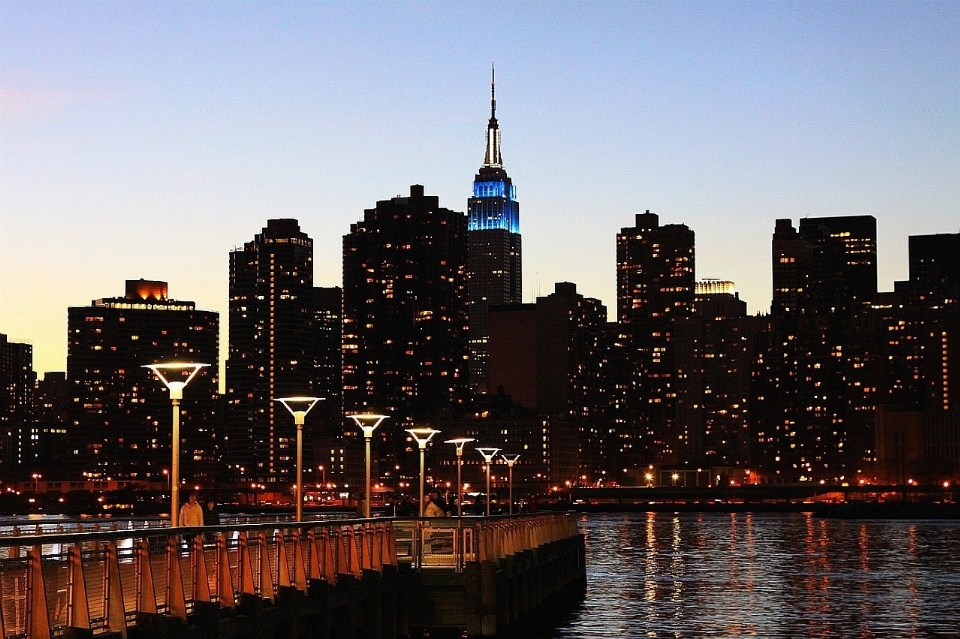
377,578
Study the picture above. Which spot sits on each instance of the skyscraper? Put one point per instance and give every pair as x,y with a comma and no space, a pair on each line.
844,259
16,406
120,413
271,351
549,356
715,350
328,370
829,264
655,287
493,254
405,314
814,388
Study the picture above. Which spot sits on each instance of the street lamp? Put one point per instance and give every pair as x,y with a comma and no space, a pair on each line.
422,435
299,407
488,454
460,442
511,460
175,386
36,482
367,423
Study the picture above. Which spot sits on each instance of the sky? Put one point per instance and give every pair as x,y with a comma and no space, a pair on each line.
149,139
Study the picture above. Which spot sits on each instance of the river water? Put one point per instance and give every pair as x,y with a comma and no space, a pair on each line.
766,575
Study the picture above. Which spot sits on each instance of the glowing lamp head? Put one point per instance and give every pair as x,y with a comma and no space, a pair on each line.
460,442
367,422
488,453
167,371
422,435
299,406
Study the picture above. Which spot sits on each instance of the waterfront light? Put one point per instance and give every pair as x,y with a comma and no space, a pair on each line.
460,442
488,455
299,407
175,386
367,423
511,460
422,435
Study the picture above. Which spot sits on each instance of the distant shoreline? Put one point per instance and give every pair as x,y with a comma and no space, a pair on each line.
846,510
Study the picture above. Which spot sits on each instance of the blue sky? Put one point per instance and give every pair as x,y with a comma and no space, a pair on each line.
143,139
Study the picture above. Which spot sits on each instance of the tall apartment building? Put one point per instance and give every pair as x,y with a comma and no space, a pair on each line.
549,357
715,350
919,324
405,317
17,419
272,343
844,271
655,287
328,365
494,249
828,265
815,379
120,424
53,422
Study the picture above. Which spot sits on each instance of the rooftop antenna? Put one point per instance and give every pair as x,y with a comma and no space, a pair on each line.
493,89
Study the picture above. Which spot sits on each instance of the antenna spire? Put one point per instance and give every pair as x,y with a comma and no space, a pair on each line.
493,91
492,155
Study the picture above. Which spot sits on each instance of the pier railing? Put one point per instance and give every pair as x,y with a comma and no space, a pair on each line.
53,584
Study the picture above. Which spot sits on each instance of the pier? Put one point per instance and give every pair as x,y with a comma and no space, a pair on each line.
352,578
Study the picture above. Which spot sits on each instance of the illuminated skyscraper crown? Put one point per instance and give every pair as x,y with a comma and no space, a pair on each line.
498,207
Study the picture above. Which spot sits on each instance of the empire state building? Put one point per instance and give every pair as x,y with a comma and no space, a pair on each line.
493,257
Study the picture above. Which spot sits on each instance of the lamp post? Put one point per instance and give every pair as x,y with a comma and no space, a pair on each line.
175,386
422,435
511,460
36,482
299,407
460,442
367,423
488,454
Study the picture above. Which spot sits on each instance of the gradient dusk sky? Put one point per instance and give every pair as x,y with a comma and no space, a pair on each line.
147,139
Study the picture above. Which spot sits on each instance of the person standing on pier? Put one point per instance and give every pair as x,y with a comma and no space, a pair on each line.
431,509
211,517
191,514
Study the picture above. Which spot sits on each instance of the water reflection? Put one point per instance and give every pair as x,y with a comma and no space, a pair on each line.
757,575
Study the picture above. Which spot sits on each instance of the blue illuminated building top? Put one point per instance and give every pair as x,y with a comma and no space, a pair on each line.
494,206
494,203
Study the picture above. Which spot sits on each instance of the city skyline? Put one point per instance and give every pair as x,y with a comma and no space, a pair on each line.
148,140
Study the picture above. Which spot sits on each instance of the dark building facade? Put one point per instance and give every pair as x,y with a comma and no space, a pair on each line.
405,318
272,346
828,265
655,287
328,368
494,250
549,358
815,378
715,351
120,423
17,417
53,422
919,324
